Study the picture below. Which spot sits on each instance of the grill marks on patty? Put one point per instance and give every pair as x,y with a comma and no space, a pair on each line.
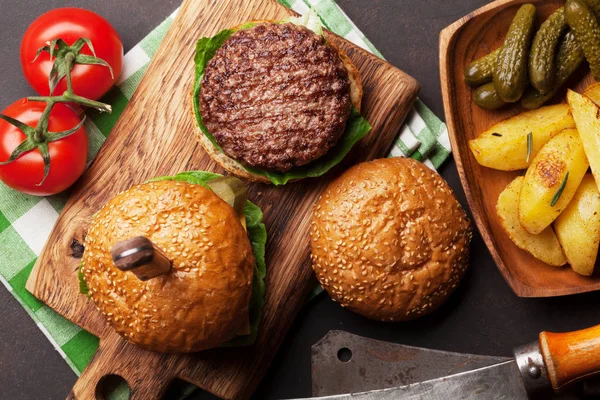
275,96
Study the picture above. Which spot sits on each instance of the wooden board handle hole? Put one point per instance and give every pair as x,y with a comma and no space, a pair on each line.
109,385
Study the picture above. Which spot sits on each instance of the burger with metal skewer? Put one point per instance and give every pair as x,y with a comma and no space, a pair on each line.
176,264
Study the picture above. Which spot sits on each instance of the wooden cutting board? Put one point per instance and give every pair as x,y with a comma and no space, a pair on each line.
154,137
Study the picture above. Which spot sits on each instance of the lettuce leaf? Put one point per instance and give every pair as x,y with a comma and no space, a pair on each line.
258,239
357,127
83,287
311,20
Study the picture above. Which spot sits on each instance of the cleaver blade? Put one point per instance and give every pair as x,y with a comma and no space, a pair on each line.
375,364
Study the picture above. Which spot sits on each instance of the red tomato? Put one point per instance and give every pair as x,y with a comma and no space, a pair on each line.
70,24
67,155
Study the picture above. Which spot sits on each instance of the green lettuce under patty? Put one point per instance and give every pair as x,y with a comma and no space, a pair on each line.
356,126
258,239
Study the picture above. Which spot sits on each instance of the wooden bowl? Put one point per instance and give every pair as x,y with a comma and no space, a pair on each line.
462,42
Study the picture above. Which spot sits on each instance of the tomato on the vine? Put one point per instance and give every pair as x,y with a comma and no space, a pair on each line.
67,155
70,25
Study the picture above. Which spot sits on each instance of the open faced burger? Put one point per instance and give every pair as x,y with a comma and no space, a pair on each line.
177,264
274,101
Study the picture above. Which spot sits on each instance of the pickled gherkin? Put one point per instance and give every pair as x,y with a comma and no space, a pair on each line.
568,58
230,189
584,25
486,96
542,70
511,72
481,70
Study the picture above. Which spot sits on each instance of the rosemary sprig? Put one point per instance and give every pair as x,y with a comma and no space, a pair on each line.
529,145
560,190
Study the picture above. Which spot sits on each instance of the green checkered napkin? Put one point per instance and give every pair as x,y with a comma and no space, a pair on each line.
26,221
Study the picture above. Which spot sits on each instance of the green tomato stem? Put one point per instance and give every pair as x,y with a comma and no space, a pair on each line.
42,127
69,58
73,98
69,97
39,137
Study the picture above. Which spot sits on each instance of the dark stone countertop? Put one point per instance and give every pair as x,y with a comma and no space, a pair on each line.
482,317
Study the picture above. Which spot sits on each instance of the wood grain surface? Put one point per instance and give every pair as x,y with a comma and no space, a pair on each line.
462,42
155,136
571,356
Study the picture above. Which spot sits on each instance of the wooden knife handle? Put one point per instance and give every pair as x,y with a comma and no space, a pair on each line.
571,356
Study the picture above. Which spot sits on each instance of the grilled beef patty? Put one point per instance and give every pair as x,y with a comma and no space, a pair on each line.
275,96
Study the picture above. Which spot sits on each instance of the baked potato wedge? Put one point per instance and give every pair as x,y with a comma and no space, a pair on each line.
504,145
585,114
592,92
551,180
543,246
578,227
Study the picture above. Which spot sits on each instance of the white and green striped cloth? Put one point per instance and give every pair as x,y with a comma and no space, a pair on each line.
26,221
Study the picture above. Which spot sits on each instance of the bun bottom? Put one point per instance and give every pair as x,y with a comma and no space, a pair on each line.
234,167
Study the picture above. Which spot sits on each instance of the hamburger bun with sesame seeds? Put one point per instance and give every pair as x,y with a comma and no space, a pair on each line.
389,240
203,300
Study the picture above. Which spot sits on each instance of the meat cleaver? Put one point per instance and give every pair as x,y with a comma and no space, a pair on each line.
347,366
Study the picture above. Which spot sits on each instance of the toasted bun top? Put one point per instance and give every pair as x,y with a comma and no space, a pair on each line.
389,240
203,301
